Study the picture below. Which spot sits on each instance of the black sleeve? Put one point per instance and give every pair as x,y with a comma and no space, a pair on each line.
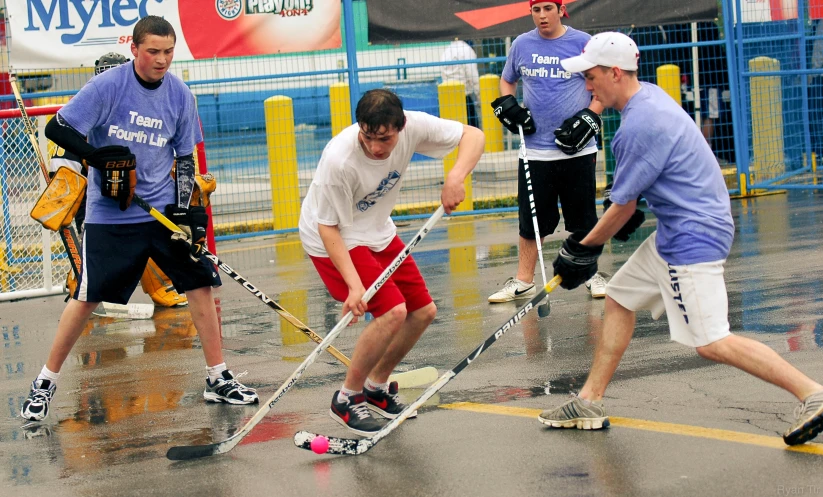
59,131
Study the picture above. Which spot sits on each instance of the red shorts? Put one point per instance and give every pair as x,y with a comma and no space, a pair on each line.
405,285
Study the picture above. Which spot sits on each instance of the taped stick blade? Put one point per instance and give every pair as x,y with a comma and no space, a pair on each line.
415,378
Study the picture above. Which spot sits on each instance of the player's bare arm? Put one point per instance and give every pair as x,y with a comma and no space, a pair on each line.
339,255
611,222
469,151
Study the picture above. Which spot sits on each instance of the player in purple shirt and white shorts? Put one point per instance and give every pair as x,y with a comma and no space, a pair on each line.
678,270
130,124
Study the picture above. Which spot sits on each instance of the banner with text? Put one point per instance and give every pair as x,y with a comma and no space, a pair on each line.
431,20
70,33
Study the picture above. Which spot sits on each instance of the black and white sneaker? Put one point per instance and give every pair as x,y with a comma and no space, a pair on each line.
228,389
354,415
36,406
386,404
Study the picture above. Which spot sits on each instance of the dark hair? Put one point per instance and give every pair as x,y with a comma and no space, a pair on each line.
152,25
378,108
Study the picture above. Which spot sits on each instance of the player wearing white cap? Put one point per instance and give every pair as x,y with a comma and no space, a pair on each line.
678,270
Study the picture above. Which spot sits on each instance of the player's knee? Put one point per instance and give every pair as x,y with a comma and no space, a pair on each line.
396,315
715,351
426,313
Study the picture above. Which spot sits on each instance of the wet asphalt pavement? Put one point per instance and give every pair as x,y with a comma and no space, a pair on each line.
680,425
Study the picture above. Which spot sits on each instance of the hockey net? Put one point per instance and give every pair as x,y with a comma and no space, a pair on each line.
33,261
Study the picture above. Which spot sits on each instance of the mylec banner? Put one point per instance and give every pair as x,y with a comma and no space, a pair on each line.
73,33
391,22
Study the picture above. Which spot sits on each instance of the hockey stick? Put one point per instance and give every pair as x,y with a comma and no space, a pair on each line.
408,379
67,233
544,308
352,446
185,452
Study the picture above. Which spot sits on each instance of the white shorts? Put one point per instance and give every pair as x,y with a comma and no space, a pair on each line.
693,296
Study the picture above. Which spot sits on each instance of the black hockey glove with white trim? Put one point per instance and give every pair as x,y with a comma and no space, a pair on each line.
510,113
117,166
575,133
576,263
631,225
193,221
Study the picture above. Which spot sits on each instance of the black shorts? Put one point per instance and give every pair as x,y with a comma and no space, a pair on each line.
571,182
115,255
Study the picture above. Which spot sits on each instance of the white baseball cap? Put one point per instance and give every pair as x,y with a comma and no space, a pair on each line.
609,49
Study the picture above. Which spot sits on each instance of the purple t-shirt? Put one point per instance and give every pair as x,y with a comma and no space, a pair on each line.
661,154
551,94
114,109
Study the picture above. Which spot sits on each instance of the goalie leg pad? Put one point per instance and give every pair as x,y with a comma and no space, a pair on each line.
159,287
60,201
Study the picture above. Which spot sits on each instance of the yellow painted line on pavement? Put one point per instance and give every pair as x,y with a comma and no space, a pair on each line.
657,426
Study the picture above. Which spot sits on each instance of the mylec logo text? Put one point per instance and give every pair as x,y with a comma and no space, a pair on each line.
75,16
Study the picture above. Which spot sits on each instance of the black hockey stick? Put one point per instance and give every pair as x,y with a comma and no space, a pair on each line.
185,452
68,234
353,446
243,281
544,308
415,377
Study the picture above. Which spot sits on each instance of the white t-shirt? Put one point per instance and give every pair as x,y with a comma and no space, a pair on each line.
464,73
358,194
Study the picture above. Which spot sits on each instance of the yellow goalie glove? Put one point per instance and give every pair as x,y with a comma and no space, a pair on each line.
61,199
204,186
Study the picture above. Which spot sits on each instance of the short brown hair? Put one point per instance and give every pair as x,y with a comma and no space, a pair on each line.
152,25
378,108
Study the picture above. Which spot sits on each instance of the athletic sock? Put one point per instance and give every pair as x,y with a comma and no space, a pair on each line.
345,393
215,371
47,374
585,402
374,387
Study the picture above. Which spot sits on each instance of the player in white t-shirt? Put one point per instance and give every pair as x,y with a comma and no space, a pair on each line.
678,270
346,228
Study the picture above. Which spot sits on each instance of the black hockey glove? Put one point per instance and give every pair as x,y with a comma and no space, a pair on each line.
118,175
575,132
576,263
631,225
193,221
510,113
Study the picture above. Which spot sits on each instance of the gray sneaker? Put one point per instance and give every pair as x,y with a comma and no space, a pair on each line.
575,414
809,421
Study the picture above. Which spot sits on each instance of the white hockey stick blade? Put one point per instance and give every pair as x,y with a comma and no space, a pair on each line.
415,378
128,311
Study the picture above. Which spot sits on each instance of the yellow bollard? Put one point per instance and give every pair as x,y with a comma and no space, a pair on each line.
452,96
668,78
282,153
492,128
340,107
767,120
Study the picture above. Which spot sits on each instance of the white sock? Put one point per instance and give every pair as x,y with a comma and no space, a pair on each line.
376,386
47,374
215,371
345,393
585,402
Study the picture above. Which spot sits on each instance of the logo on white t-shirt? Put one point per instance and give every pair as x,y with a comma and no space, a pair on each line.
385,186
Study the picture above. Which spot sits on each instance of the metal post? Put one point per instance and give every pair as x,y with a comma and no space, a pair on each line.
351,54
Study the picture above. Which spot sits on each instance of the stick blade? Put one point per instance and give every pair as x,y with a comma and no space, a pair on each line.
339,446
129,311
415,378
188,452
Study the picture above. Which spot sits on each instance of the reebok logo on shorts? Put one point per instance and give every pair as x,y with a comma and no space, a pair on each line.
677,296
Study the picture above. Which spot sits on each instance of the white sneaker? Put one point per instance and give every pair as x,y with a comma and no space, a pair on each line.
597,286
514,289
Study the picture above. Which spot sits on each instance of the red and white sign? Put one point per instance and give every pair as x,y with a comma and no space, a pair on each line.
777,10
69,33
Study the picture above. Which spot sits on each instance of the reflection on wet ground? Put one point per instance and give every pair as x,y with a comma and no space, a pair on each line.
131,389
